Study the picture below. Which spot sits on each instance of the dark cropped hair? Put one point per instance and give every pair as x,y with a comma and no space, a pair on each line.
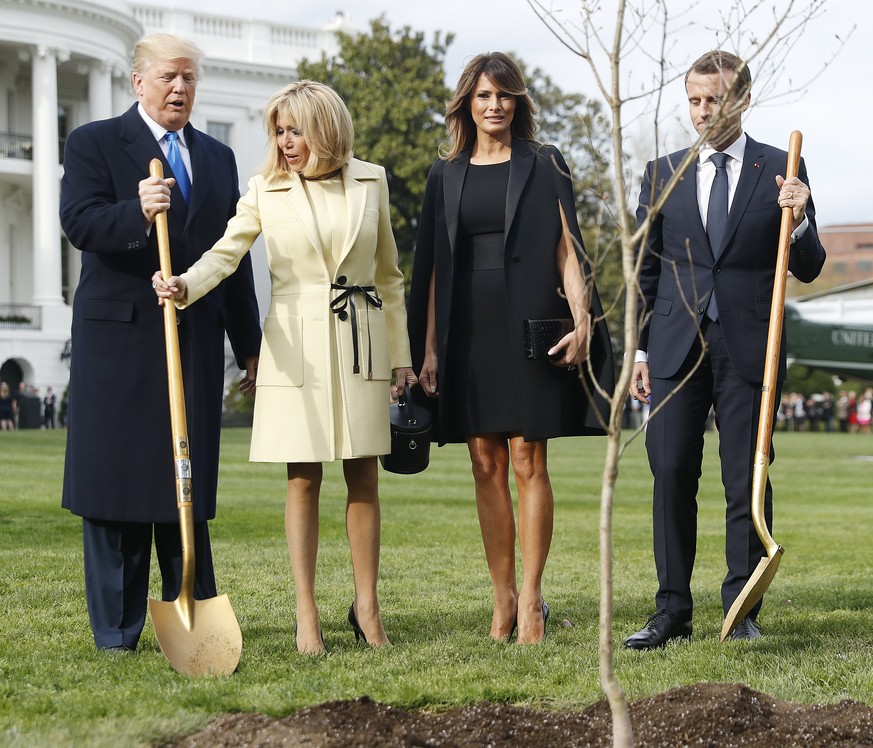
718,60
504,73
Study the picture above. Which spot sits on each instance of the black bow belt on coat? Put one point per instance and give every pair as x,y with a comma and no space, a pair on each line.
346,299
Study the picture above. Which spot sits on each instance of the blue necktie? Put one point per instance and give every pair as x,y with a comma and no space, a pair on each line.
174,158
717,216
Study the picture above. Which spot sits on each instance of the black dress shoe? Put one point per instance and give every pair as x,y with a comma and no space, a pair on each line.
746,630
659,629
118,649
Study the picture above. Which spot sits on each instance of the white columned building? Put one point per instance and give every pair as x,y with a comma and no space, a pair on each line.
66,63
46,190
100,93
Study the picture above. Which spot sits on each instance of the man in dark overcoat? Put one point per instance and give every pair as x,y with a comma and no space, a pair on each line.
119,474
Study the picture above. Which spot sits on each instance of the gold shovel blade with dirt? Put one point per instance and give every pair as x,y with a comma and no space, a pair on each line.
766,569
198,637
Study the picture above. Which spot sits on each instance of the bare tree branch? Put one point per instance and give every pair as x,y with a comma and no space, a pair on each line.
769,47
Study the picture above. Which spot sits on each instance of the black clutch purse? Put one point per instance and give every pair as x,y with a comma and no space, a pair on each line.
540,335
410,437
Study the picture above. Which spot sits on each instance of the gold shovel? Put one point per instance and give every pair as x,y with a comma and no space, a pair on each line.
763,575
198,637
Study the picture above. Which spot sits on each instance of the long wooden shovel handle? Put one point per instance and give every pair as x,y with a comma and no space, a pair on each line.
178,420
771,361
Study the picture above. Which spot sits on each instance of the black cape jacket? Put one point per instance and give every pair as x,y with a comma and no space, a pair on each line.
554,401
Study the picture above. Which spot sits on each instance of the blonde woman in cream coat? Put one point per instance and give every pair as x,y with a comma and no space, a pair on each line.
335,331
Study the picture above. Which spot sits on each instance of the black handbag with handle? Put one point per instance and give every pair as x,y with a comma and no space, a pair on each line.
410,437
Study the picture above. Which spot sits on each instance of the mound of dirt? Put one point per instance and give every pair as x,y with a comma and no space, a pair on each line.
704,714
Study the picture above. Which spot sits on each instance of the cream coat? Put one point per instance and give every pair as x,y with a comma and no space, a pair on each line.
310,406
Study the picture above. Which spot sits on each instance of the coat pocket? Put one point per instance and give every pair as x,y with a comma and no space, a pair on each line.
373,337
662,306
281,359
109,310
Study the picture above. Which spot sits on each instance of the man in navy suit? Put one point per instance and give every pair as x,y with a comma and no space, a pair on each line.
706,285
119,474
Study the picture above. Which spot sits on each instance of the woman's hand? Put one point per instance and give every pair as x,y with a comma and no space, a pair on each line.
173,288
427,378
403,377
572,349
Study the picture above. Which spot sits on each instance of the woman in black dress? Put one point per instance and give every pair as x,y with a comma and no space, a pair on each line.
498,244
7,408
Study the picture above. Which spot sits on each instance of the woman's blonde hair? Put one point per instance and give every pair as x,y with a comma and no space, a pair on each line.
323,119
162,47
504,73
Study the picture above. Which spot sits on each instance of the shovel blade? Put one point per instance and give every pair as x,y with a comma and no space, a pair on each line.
209,643
752,592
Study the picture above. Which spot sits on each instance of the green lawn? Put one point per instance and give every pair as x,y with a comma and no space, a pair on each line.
56,690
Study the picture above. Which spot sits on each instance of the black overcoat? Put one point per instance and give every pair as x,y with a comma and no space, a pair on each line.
119,461
554,401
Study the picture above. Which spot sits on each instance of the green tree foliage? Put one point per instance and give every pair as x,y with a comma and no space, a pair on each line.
393,83
809,381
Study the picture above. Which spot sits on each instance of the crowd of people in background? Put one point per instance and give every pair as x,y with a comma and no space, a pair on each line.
45,411
847,411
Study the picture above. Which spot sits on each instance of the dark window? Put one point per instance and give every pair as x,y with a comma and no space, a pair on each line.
219,131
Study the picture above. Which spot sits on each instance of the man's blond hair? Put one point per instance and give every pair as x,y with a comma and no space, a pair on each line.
160,47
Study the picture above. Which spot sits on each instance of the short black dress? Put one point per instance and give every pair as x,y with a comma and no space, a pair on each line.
481,388
6,408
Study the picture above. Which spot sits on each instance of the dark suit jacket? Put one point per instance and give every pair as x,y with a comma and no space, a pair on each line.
119,463
553,402
679,271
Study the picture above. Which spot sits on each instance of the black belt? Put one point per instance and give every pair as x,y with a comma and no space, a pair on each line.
347,299
483,252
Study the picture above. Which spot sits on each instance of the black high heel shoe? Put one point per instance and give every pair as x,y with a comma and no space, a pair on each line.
353,621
